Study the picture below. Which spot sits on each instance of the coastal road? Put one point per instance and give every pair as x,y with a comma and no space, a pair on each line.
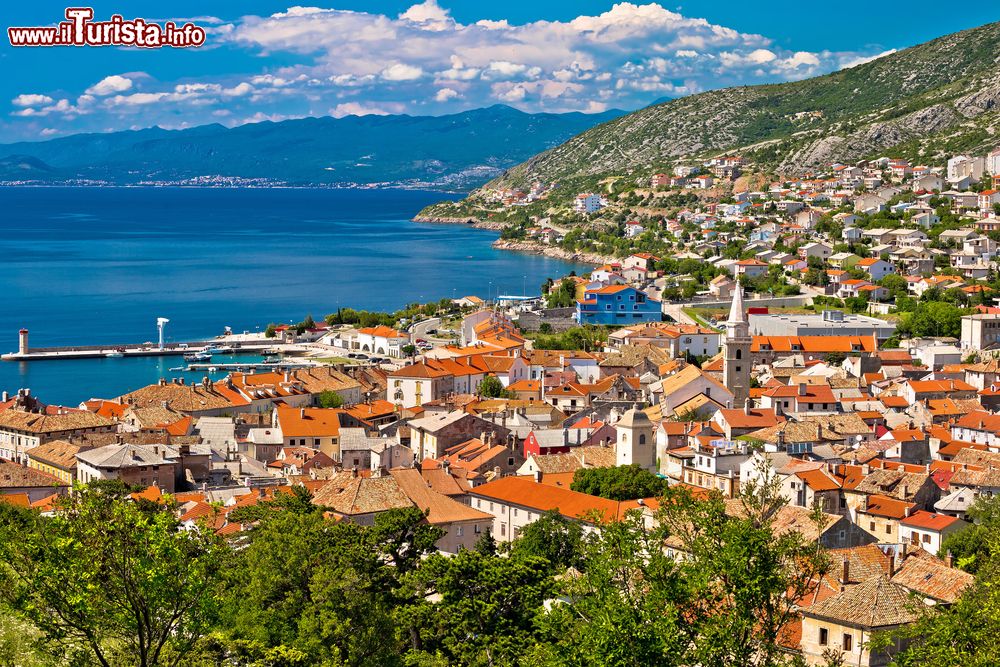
676,311
420,329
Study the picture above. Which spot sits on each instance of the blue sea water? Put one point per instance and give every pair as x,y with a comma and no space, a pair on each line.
99,265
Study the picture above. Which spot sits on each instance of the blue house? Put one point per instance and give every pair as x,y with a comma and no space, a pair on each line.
617,305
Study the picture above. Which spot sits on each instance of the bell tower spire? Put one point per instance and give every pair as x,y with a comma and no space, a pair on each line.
736,350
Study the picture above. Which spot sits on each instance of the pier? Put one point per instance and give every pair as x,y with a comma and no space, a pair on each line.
25,353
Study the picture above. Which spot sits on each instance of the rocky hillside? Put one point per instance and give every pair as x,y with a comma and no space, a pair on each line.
922,103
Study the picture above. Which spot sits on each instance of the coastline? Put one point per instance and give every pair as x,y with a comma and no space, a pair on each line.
523,246
470,221
535,248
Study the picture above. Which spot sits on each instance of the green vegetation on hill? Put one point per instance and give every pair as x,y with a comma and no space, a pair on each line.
926,99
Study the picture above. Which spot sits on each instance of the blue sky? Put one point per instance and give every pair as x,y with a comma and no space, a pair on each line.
268,60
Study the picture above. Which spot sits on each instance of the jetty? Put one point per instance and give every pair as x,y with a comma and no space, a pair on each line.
26,353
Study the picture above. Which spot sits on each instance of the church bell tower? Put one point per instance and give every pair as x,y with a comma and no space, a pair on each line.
736,351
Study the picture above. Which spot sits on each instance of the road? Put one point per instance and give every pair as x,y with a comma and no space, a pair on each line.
676,311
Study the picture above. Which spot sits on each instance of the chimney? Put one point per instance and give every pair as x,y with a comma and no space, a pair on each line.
892,565
565,437
845,575
538,476
354,471
302,413
746,407
802,389
949,559
908,511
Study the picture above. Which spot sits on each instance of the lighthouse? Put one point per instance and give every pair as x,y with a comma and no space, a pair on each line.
22,347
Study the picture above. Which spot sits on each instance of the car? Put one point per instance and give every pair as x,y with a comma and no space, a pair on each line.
431,332
419,341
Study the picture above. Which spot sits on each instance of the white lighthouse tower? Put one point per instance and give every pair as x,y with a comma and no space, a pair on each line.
161,323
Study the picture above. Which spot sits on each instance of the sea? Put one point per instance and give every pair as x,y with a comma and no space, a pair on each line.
95,265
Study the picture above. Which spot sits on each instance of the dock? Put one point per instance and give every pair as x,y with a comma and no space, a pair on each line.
276,365
131,350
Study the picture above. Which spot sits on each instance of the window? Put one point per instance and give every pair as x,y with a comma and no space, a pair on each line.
642,439
871,526
515,511
478,529
926,538
739,353
459,531
848,641
503,530
824,636
888,528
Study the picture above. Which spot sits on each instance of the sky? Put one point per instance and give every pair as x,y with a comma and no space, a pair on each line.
268,60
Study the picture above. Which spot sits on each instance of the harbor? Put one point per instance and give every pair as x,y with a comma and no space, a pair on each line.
147,349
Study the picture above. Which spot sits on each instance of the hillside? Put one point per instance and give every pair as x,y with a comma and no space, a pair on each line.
455,151
922,103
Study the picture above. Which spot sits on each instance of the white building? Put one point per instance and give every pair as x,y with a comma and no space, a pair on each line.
588,203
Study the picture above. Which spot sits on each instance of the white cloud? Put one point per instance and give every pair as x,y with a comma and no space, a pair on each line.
637,49
401,72
423,59
238,90
428,15
30,100
110,84
445,94
861,60
359,109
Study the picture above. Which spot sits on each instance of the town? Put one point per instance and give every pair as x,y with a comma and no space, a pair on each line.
831,338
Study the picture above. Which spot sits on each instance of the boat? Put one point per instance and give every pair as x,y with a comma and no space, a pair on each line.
204,355
114,354
177,368
213,369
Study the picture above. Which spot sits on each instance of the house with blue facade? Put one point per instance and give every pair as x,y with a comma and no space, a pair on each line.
619,305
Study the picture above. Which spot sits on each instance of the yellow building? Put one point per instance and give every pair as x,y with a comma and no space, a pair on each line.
57,458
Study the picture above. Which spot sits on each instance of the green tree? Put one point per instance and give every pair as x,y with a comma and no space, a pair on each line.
491,387
485,612
270,331
554,538
112,580
618,482
329,399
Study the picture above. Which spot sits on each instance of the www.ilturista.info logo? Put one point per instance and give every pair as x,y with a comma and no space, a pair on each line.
79,29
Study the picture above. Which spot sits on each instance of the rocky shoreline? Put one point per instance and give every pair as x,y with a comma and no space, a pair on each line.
551,251
532,247
467,220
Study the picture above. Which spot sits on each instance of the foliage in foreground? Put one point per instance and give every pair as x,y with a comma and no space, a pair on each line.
116,582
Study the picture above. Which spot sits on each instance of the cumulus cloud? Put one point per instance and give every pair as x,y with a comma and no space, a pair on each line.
445,94
30,100
637,49
110,84
401,72
317,60
359,109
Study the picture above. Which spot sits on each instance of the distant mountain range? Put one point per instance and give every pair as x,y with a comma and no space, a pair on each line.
923,103
457,151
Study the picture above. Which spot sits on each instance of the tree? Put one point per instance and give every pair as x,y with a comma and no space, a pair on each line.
932,318
965,634
323,592
976,544
486,609
491,387
554,538
409,349
329,399
111,580
618,482
270,331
